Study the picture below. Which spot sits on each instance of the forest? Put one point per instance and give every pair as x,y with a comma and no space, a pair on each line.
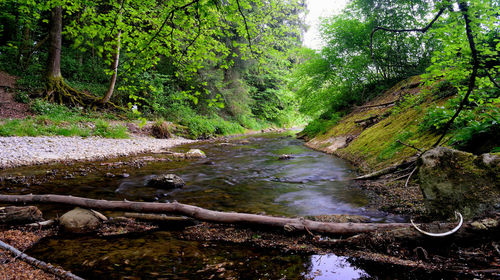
203,126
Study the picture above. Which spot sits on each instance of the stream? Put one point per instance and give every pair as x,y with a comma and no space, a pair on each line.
243,175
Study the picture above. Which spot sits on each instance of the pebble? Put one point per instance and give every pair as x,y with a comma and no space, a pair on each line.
22,151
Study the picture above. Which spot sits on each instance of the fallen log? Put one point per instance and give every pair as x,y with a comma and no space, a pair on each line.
19,215
289,224
38,263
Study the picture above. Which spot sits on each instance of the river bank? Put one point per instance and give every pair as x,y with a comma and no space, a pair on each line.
23,151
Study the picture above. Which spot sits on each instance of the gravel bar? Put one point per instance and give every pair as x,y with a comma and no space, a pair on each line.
22,151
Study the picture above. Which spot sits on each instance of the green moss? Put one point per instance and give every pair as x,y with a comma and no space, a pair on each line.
376,146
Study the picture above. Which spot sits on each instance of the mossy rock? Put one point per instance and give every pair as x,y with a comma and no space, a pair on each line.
454,180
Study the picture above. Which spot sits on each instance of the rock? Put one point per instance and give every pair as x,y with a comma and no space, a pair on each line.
454,180
166,181
195,153
285,157
80,220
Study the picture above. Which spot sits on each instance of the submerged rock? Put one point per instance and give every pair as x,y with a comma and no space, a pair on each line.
454,180
166,181
81,220
195,153
285,157
339,218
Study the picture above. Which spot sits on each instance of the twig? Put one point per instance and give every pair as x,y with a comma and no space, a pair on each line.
408,180
408,145
40,264
491,78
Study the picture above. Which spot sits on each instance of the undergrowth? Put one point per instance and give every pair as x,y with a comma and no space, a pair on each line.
54,119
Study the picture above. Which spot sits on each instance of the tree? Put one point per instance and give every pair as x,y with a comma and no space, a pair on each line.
466,32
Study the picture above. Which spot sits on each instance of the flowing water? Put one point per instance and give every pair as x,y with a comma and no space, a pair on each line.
243,175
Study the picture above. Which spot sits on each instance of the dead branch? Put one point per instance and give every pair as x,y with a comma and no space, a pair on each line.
204,214
385,171
376,105
409,176
409,146
369,119
40,264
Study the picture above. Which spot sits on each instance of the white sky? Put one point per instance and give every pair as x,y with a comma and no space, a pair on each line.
317,9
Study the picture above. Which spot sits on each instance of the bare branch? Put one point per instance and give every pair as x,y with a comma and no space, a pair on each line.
422,30
40,264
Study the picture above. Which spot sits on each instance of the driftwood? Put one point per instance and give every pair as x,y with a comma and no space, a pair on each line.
290,224
40,264
19,215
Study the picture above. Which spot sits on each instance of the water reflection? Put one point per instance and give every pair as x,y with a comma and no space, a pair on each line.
161,255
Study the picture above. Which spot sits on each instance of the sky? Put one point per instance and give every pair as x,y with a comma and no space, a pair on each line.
317,9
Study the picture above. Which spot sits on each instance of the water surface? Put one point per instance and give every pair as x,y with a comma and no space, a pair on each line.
243,175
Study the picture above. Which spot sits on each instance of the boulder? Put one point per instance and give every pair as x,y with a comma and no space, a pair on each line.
454,180
195,153
81,220
166,181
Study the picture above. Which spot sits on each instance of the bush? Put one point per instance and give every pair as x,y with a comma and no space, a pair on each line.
320,125
22,97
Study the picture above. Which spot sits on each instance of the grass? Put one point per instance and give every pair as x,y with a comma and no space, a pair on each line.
53,119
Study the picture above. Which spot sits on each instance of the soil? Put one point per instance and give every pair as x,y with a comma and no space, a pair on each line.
9,108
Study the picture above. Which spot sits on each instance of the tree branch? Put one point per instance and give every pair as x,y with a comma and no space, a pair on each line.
40,264
246,26
475,65
422,30
491,78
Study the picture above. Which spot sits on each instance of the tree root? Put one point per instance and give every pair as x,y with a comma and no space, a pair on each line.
58,91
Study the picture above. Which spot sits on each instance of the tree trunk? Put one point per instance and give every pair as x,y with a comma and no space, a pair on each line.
18,215
116,59
289,224
55,39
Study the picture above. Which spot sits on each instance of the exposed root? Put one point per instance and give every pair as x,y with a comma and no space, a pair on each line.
58,91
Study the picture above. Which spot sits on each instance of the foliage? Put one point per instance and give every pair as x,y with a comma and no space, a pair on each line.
320,126
177,58
344,73
55,119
